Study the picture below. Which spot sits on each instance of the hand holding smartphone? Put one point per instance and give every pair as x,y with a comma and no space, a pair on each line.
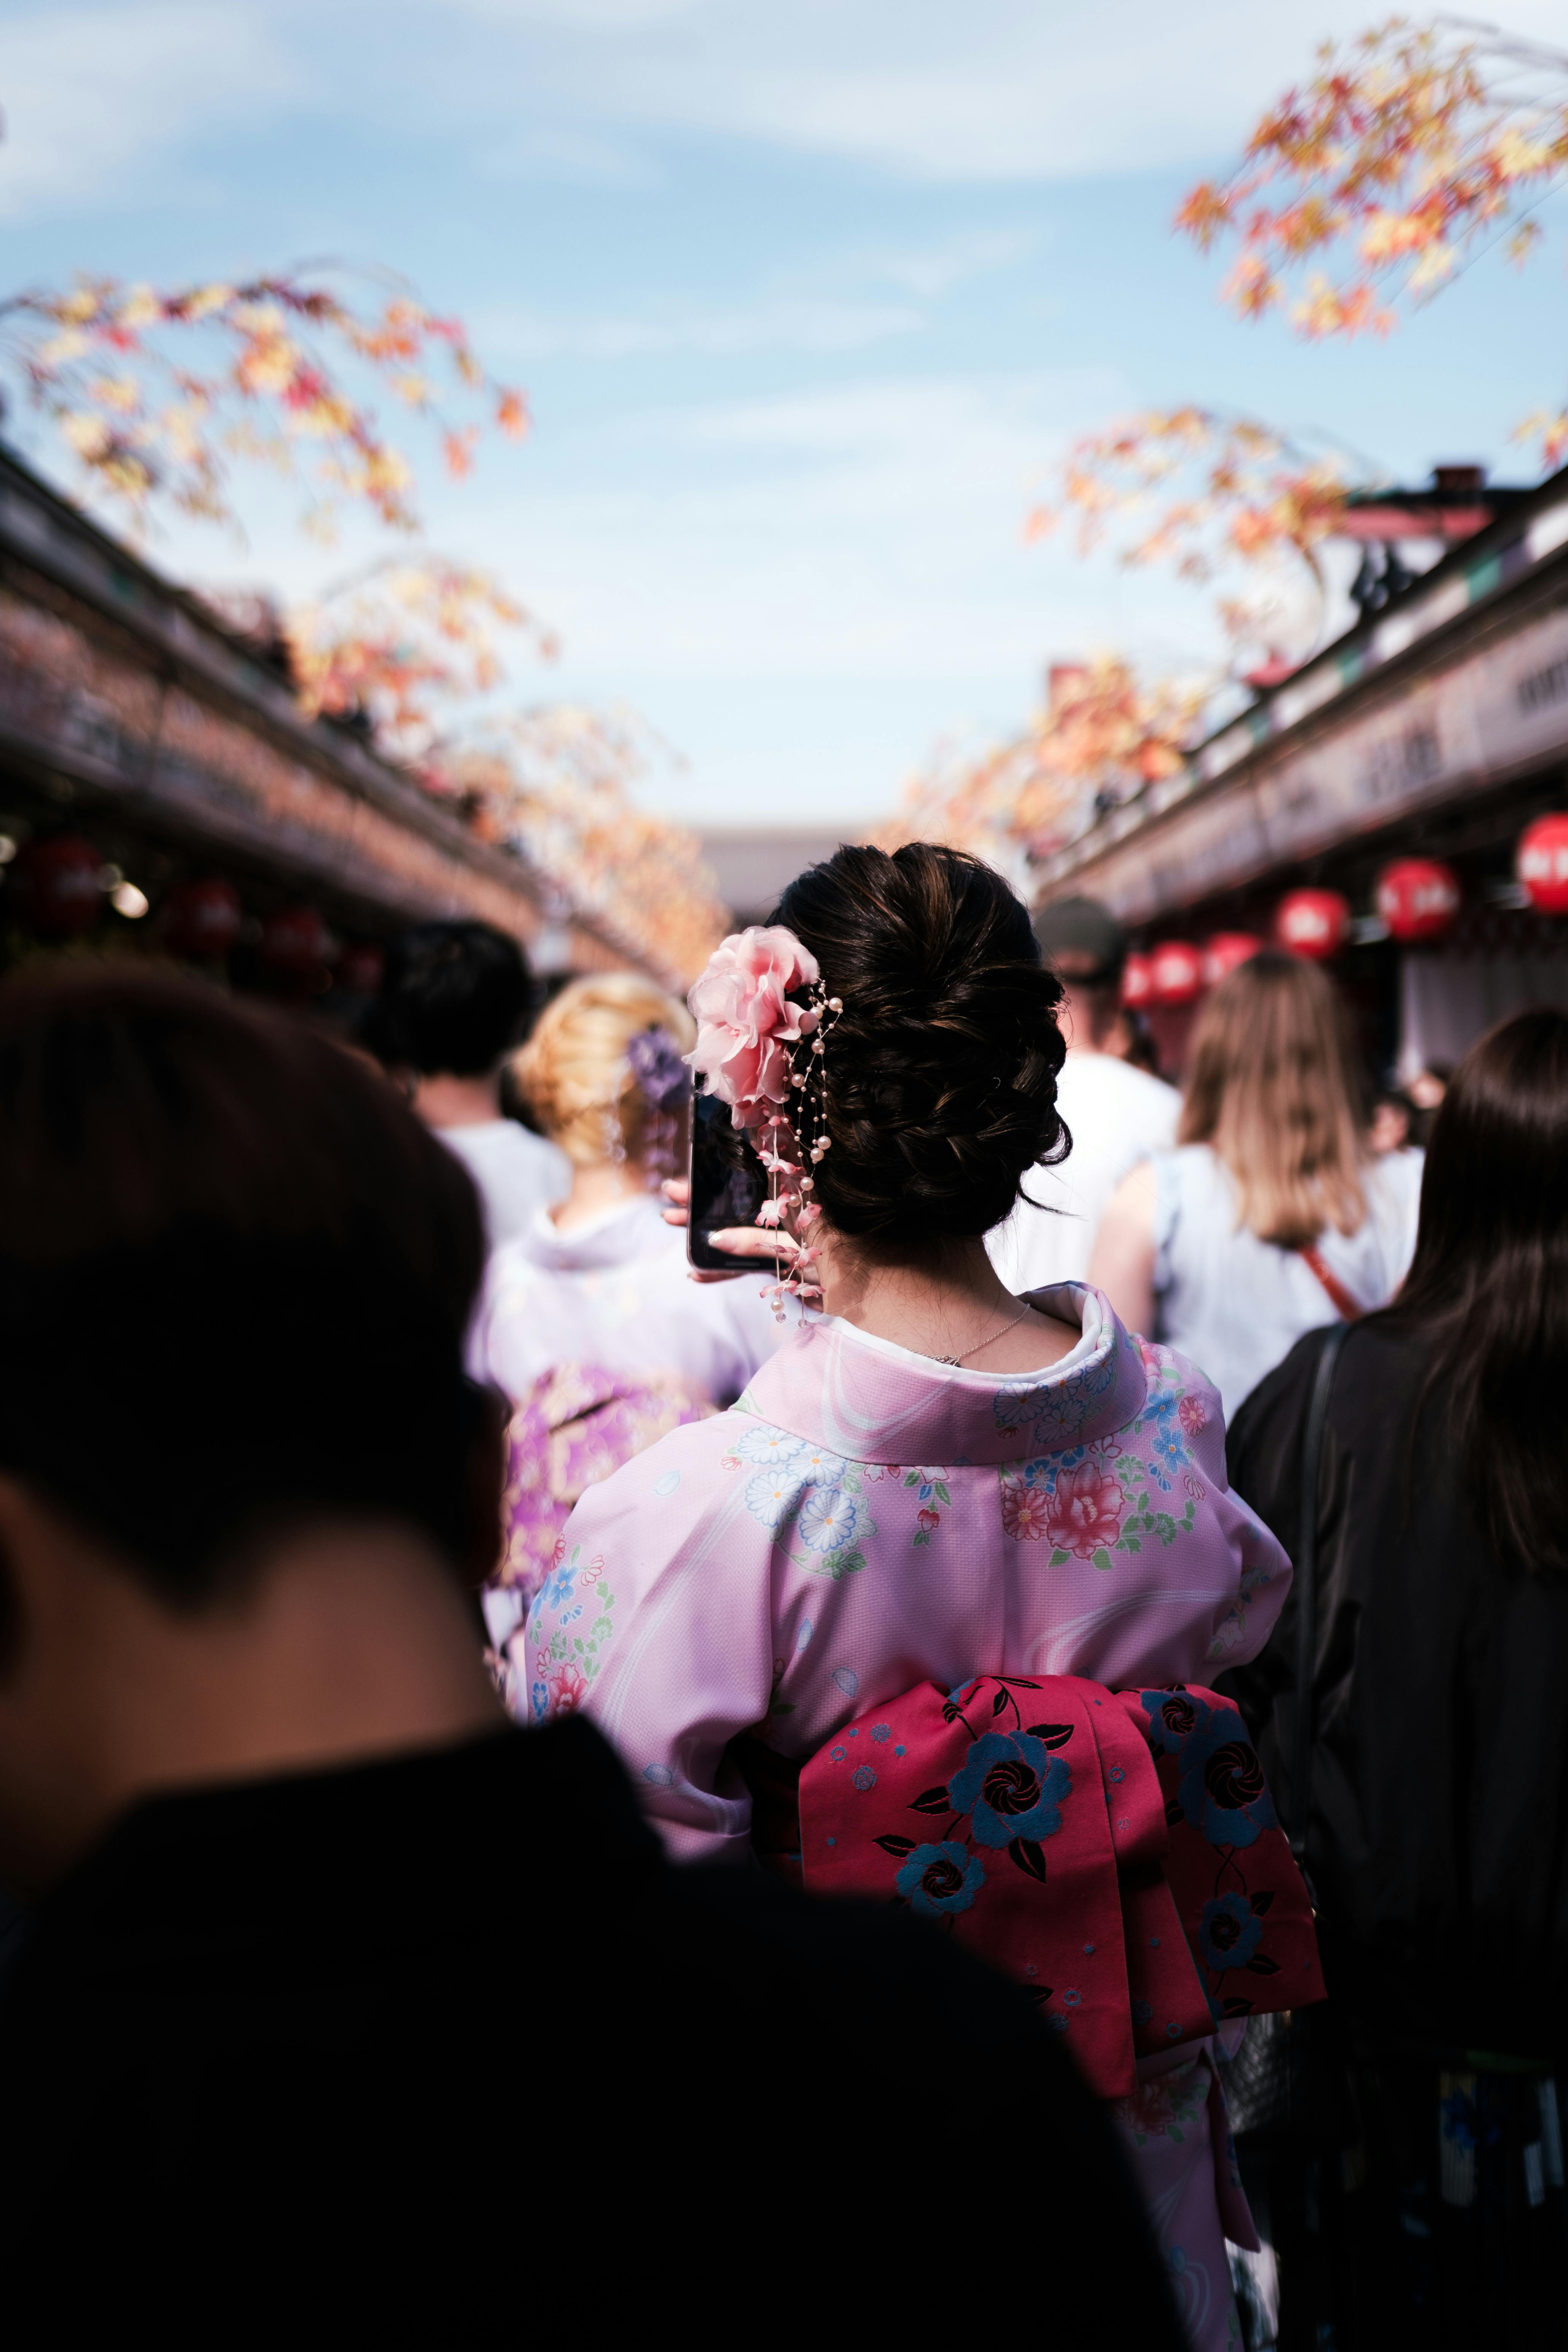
728,1186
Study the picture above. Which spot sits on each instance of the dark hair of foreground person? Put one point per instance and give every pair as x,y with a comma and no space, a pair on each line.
1437,1795
340,1999
453,998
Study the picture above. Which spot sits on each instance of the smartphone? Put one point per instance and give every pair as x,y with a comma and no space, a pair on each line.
729,1185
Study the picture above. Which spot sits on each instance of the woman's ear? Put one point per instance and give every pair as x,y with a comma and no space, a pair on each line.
484,1489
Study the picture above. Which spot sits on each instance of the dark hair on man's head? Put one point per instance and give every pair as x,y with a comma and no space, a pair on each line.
1487,1289
941,1071
454,997
234,1276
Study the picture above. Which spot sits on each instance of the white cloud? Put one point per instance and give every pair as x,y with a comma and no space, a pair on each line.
931,270
783,324
996,91
92,95
831,305
869,531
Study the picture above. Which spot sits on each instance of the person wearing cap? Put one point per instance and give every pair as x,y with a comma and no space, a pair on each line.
1117,1115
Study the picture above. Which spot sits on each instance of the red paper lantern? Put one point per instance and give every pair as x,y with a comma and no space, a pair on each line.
1417,898
1543,864
56,890
1176,972
295,943
1313,923
1225,953
360,969
202,920
1137,983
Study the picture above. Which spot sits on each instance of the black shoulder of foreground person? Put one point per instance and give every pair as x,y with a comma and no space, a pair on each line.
448,2027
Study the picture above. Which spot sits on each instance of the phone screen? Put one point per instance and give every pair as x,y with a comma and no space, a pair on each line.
728,1184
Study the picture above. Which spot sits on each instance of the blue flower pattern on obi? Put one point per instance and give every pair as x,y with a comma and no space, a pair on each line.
1011,1787
940,1879
1221,1789
1229,1932
1171,1714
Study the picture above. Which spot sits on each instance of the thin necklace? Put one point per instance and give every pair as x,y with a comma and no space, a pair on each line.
1010,1324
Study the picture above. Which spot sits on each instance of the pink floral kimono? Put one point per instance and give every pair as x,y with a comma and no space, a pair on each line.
864,1519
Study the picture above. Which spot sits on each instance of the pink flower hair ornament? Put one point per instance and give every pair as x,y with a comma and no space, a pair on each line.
749,1032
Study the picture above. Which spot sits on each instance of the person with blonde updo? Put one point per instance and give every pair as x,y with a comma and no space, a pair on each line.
588,1321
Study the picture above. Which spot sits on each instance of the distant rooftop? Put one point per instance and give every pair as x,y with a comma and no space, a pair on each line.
752,862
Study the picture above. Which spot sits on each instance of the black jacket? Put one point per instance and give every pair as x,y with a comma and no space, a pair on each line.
1438,1820
443,2045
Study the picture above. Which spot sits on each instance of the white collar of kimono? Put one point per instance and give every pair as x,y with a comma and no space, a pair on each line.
873,1401
1069,1302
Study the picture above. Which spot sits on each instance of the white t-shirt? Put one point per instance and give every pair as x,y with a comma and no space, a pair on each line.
517,1172
1118,1116
1236,1306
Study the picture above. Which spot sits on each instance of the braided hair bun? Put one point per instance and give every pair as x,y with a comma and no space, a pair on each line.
942,1069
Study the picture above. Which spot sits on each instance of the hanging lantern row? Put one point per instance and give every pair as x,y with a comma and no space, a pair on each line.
1176,972
1417,901
56,889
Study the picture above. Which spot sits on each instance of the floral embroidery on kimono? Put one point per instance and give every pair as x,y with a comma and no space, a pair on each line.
571,1429
563,1669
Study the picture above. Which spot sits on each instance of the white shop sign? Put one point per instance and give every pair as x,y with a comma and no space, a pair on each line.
1502,709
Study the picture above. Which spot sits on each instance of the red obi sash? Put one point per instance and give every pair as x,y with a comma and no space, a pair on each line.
1116,1851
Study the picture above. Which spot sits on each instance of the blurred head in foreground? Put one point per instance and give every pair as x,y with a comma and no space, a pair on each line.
237,1272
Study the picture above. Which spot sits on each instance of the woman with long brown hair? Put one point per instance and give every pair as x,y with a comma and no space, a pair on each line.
1271,1217
1412,1715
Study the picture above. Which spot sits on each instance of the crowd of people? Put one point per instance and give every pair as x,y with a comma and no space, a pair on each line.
1036,1706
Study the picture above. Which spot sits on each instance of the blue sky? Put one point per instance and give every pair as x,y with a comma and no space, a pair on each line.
806,300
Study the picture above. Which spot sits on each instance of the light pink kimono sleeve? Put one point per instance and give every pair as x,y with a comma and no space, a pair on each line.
657,1622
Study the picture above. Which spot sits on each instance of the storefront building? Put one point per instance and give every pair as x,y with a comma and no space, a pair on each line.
161,791
1382,808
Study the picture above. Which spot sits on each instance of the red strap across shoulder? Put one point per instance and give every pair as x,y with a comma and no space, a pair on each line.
1345,1304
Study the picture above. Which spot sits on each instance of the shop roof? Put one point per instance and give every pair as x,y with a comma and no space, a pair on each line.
132,690
1461,678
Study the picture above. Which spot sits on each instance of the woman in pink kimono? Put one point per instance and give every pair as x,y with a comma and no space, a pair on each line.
933,1480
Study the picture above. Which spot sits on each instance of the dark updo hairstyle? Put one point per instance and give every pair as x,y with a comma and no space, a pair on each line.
941,1071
